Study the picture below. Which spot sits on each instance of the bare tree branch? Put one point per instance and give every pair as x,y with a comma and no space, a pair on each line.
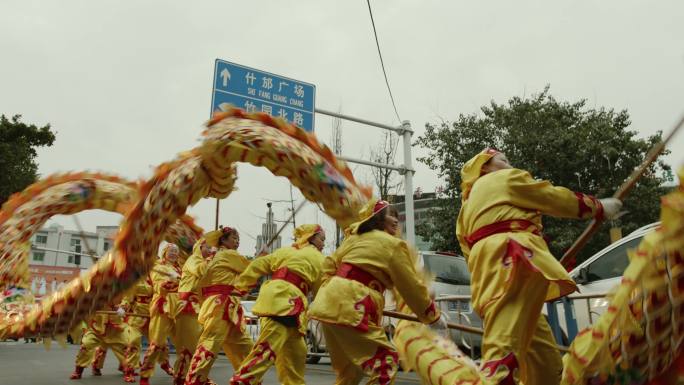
385,152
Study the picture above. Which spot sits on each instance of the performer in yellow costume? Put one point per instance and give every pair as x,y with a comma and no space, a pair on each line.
165,277
351,299
138,302
101,354
105,331
281,306
221,314
513,273
193,271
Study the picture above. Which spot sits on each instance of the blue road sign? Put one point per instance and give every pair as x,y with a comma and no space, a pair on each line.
259,91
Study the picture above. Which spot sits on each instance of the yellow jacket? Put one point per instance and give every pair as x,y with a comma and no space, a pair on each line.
137,300
278,297
512,194
222,270
165,278
189,287
387,258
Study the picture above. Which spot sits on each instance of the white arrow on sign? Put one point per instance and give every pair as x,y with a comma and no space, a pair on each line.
226,76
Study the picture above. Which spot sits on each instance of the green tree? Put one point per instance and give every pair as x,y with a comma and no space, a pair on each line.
18,142
584,149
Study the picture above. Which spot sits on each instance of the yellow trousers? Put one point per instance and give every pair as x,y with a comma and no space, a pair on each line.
518,346
217,333
188,333
134,347
354,353
277,342
114,339
101,354
161,327
99,357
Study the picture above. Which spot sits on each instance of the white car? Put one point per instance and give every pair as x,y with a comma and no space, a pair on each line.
598,275
251,320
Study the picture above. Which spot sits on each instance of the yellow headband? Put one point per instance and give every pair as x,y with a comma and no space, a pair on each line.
472,171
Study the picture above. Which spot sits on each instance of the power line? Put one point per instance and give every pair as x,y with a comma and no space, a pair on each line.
382,63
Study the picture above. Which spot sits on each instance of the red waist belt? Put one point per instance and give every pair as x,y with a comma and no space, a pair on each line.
510,226
357,274
218,289
286,275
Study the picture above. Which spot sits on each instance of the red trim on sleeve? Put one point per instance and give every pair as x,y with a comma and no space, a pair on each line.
599,210
583,206
431,311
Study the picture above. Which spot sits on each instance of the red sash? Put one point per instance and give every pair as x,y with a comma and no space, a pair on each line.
286,275
219,289
509,226
357,274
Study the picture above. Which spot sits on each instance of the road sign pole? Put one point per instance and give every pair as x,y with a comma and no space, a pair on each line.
408,183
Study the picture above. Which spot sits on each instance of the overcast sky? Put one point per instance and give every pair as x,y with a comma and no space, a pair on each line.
127,84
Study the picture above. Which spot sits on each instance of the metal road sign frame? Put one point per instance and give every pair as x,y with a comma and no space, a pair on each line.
406,169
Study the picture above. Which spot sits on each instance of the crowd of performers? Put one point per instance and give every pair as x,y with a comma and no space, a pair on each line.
195,300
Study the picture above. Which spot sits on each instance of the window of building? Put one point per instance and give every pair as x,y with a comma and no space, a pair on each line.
75,259
76,245
107,245
76,248
42,239
39,256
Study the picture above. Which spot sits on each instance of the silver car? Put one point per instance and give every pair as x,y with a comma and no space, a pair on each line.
452,292
598,275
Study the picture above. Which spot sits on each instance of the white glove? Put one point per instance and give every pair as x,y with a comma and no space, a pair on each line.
441,324
120,312
611,207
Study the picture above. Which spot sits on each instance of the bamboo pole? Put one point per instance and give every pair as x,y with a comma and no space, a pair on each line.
450,325
622,192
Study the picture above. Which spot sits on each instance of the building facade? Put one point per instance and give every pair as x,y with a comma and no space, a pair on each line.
422,203
58,255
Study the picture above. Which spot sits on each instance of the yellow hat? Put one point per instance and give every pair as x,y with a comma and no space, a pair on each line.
303,233
367,212
472,170
213,237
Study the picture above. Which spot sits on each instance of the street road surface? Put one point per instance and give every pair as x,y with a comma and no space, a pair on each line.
23,364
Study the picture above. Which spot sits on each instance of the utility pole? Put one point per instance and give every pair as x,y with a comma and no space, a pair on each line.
337,150
292,208
269,225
